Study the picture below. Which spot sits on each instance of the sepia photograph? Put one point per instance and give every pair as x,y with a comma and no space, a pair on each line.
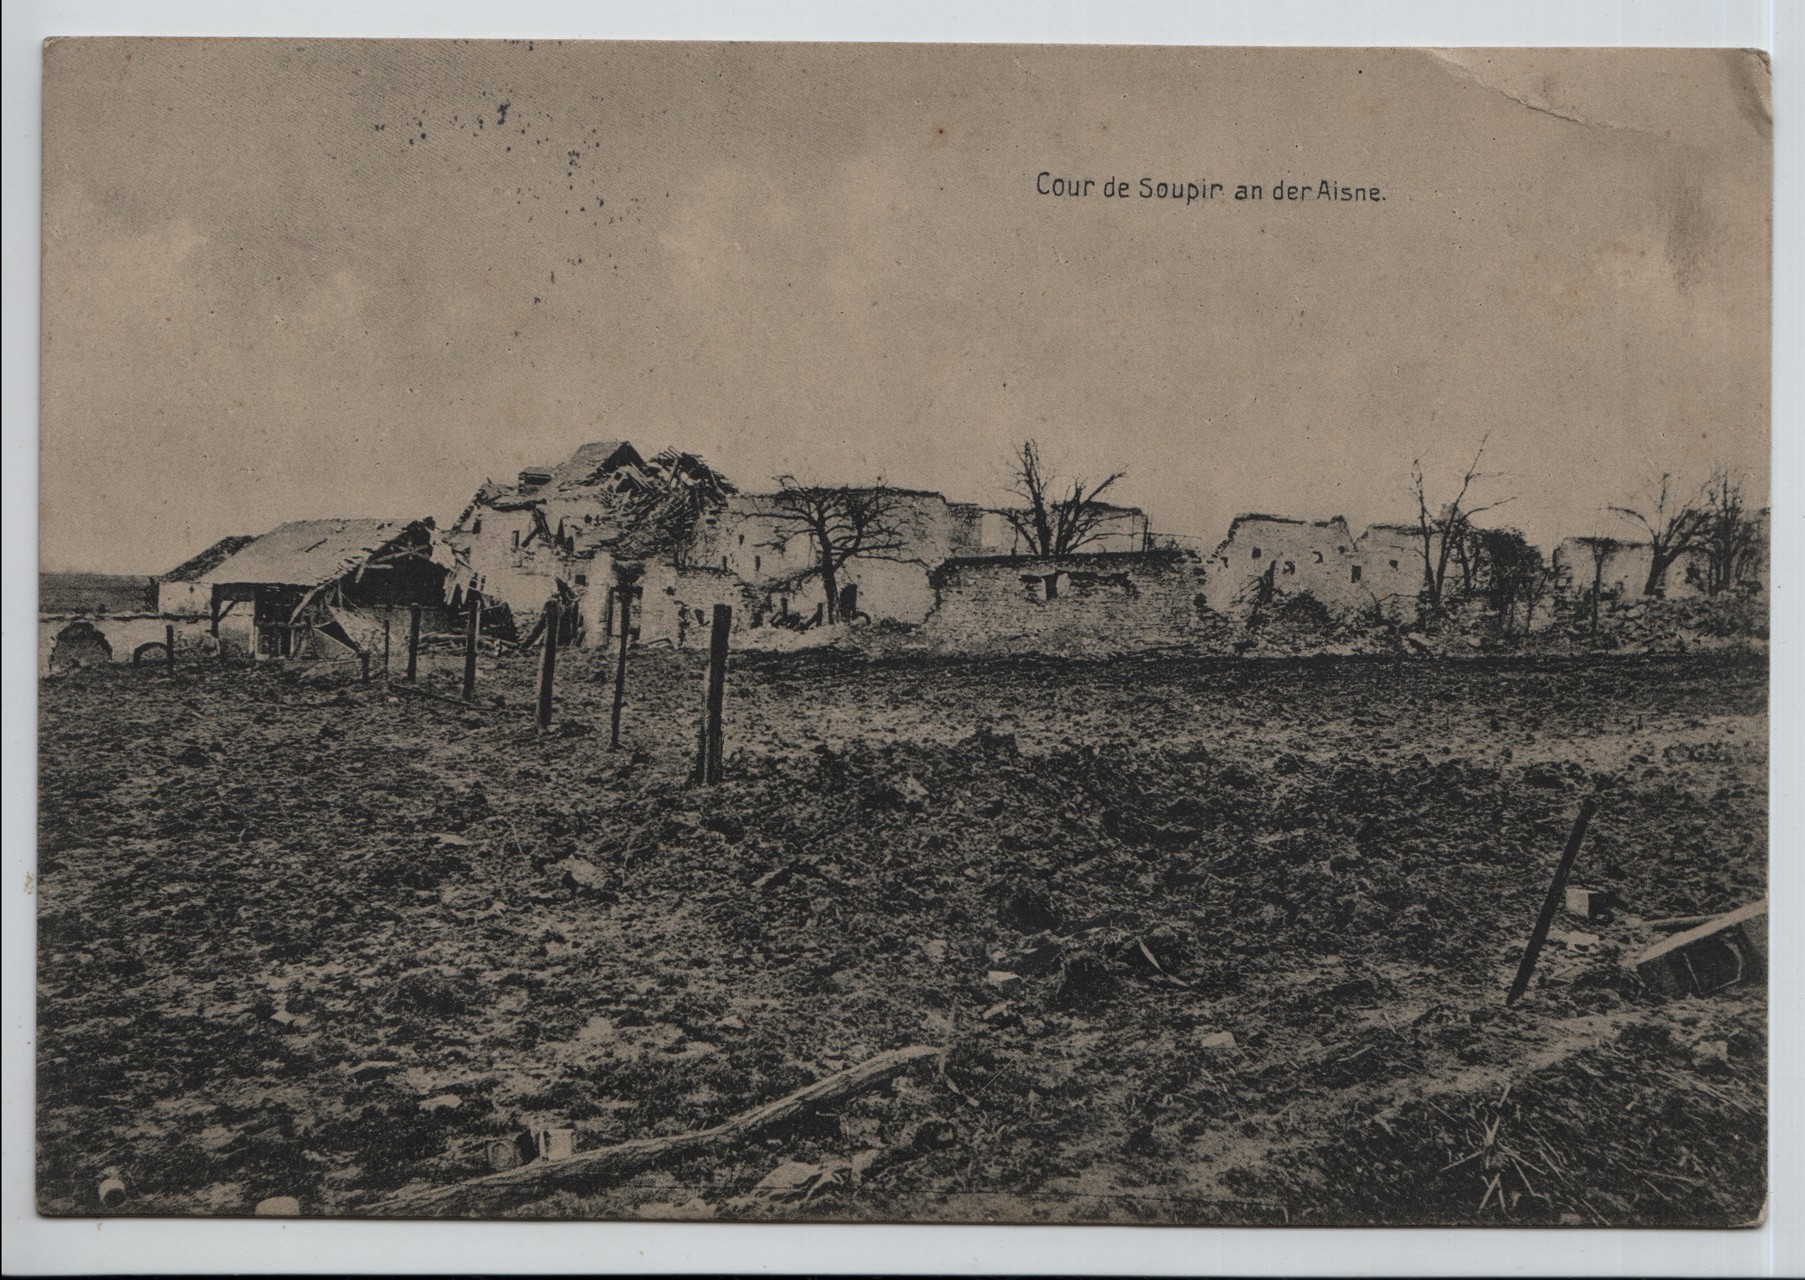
907,633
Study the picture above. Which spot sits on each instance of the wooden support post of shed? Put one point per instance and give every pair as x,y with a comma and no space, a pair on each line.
623,597
413,643
548,664
213,624
388,617
472,624
169,645
717,691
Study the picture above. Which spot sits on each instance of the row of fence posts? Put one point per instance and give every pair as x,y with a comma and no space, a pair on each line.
709,744
709,752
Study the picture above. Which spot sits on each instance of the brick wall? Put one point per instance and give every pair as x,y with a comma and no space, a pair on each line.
1109,601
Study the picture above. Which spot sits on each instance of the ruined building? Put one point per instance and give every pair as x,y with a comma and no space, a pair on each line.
328,588
681,538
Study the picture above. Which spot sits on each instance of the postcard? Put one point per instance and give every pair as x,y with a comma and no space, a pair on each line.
909,633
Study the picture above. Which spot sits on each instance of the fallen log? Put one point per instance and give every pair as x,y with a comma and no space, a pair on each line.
493,1191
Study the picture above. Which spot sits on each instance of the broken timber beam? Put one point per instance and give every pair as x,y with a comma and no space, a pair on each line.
1725,949
492,1191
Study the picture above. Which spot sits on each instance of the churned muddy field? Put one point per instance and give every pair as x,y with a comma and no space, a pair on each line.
1201,940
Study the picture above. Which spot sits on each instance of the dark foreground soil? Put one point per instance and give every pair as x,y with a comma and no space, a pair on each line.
299,939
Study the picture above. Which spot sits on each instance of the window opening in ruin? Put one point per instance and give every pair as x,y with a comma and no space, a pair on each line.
516,539
723,562
1256,553
742,539
582,579
1354,573
477,525
758,563
1290,566
1052,586
1394,564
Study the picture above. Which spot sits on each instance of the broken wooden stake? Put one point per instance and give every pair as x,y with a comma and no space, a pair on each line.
623,596
169,646
710,771
472,625
493,1191
1551,904
548,663
413,643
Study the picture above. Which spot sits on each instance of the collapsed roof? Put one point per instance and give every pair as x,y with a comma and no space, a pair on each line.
195,567
307,553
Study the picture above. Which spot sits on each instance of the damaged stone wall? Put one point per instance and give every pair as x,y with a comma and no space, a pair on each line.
121,634
1109,601
677,604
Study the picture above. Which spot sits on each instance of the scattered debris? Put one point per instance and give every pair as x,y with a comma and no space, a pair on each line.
1725,950
1218,1040
1589,904
556,1144
512,1152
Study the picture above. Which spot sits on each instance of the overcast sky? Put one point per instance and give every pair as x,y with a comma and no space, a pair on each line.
293,280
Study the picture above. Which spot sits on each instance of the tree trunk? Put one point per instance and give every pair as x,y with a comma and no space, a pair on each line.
830,585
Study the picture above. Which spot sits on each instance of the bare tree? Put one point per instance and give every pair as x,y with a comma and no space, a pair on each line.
1446,535
840,524
1508,569
1536,588
1728,534
1673,528
1055,523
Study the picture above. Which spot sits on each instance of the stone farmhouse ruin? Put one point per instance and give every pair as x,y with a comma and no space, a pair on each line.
681,538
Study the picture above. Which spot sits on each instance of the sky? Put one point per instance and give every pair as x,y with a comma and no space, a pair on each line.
287,280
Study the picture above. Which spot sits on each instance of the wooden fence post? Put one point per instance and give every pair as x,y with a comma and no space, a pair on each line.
388,618
717,691
548,663
169,645
624,602
363,662
413,644
472,625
